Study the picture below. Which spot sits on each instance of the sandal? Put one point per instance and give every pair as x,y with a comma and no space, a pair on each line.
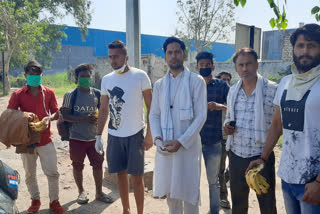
82,198
105,198
225,204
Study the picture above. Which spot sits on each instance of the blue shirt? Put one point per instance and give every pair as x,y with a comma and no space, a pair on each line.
217,91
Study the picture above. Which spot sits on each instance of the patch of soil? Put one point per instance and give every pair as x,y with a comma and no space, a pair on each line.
69,192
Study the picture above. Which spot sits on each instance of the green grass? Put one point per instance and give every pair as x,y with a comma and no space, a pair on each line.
58,82
280,142
62,90
1,89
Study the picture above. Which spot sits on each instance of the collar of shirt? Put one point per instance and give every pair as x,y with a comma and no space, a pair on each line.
243,93
180,75
27,88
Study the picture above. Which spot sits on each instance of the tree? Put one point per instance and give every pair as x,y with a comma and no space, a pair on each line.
280,20
202,22
27,29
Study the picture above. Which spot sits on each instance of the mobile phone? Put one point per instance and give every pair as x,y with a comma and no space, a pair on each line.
232,123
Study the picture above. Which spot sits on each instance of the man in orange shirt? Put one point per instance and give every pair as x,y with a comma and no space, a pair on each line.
41,103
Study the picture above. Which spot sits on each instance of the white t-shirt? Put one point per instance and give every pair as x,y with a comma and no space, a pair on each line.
300,160
125,101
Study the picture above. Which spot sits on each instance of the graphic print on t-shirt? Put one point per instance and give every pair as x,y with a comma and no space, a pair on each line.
293,112
115,105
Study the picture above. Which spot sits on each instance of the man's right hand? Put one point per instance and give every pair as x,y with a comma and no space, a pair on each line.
91,119
254,164
229,130
212,106
98,145
32,117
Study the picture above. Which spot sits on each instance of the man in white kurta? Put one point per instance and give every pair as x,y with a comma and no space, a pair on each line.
178,112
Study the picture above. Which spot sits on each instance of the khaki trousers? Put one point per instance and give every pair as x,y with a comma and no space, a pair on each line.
48,160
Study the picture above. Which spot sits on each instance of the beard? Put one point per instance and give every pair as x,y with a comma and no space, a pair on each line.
176,67
306,67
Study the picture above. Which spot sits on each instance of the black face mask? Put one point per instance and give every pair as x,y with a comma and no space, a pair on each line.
205,71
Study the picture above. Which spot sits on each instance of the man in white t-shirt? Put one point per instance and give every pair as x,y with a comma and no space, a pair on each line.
297,117
122,95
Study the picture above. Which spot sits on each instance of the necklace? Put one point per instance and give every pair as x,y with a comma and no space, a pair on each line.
176,91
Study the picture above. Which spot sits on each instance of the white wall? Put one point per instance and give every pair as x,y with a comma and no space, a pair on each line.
157,68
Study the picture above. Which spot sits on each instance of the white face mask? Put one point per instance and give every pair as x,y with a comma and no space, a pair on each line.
121,70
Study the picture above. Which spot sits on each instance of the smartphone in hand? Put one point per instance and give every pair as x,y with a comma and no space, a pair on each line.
232,123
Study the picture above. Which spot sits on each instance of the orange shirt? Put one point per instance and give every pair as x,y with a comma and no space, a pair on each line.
23,99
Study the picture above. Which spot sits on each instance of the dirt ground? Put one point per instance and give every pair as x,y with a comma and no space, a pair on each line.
68,189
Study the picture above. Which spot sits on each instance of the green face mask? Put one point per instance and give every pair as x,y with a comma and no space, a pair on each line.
34,80
84,82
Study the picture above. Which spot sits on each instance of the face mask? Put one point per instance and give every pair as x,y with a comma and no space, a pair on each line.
121,70
34,80
205,71
84,82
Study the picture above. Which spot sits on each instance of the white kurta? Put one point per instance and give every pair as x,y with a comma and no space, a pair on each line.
178,174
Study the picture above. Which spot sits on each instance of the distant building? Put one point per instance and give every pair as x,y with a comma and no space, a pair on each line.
276,45
75,51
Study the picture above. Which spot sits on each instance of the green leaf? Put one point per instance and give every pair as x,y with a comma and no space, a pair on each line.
284,14
284,25
279,27
243,2
272,24
270,2
315,10
272,5
236,2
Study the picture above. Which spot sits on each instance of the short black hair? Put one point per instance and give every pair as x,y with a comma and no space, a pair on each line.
33,65
204,55
311,32
224,73
245,50
118,44
173,39
83,67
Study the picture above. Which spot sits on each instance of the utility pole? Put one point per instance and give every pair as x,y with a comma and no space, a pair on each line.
133,32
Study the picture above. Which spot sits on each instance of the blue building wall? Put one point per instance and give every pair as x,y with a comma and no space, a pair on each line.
150,44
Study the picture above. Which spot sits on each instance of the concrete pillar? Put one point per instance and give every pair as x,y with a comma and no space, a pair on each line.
133,32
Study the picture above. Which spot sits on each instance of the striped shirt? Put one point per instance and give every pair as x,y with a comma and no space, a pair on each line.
244,143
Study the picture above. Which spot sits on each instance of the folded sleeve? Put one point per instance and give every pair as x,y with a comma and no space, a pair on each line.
145,82
67,100
279,92
228,114
104,88
53,103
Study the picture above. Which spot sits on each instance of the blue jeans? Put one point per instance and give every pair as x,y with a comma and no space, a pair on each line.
222,174
212,158
292,194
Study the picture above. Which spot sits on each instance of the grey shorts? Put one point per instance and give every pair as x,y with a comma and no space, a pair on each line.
126,153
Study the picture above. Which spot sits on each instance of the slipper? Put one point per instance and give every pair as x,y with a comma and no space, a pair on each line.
82,198
105,198
225,204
